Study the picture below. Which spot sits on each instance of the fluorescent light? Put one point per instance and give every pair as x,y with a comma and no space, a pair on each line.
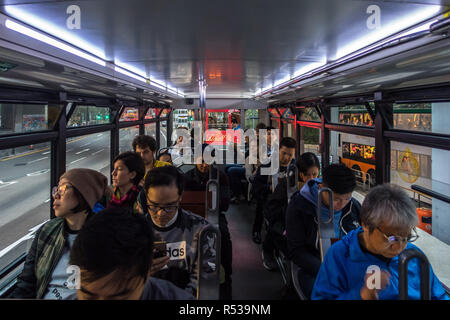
55,43
396,26
127,73
46,26
285,79
156,84
130,68
308,68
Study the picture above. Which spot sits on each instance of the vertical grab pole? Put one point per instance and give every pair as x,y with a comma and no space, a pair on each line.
325,228
212,214
208,276
403,260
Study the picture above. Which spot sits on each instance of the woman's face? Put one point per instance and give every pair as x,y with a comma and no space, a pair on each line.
121,176
64,199
311,173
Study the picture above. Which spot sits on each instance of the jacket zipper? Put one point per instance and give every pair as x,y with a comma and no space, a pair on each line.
342,219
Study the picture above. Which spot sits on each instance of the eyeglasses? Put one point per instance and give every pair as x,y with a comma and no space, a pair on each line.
167,209
394,239
61,190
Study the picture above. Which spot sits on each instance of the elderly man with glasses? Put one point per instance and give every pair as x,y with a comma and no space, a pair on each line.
178,228
365,263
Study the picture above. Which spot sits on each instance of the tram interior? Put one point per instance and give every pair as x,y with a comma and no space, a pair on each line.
381,108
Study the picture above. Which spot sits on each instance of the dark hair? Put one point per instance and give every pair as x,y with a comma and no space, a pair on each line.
165,153
339,178
144,141
260,126
164,176
307,160
288,142
133,162
82,203
115,239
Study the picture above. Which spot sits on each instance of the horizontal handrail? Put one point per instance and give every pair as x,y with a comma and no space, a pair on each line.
431,193
14,264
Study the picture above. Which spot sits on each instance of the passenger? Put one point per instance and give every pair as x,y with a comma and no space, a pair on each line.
301,225
179,228
308,166
176,150
286,156
145,146
128,171
388,218
196,180
275,211
77,196
262,184
165,157
114,252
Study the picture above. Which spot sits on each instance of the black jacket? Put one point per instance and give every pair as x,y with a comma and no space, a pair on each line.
301,230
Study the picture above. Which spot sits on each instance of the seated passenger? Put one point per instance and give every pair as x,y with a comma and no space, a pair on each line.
301,225
75,199
179,228
275,211
165,157
286,156
388,218
145,146
113,252
196,180
128,171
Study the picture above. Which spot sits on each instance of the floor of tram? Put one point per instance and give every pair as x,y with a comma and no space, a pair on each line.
250,279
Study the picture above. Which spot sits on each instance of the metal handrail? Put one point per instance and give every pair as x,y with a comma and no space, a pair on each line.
325,228
403,260
14,264
208,277
212,213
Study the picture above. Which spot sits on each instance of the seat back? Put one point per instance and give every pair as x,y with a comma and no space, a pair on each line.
195,201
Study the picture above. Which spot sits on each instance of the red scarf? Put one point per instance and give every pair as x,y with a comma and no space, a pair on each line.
126,201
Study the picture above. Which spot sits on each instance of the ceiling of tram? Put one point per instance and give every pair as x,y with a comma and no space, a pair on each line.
239,47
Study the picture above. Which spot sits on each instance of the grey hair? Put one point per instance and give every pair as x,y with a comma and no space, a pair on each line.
388,204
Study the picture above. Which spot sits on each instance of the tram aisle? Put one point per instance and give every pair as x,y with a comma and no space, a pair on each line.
250,280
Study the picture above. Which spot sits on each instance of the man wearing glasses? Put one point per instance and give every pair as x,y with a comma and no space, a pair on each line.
178,228
388,218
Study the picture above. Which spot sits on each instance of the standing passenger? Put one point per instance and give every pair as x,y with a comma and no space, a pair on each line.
76,197
128,171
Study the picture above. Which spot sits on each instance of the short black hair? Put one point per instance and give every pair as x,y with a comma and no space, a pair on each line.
288,142
114,240
307,160
133,162
165,153
164,176
339,178
144,141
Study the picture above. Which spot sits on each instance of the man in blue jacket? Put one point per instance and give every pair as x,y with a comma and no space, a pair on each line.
352,265
301,219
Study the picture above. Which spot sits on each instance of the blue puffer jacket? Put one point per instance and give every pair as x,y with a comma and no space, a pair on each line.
342,273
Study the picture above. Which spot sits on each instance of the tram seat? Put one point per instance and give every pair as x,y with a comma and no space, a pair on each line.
195,201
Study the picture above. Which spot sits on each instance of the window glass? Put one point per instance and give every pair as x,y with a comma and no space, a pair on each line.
182,118
165,112
414,116
89,115
130,114
25,198
352,115
150,129
251,118
21,118
151,113
90,151
163,134
126,137
218,120
309,114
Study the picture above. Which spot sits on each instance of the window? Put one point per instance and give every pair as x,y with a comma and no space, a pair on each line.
309,114
21,118
150,129
130,114
89,115
352,115
126,137
151,113
90,151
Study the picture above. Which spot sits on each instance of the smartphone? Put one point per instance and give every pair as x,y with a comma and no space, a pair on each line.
161,249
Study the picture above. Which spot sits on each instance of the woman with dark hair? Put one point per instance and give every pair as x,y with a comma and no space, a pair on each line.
129,169
79,194
308,168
